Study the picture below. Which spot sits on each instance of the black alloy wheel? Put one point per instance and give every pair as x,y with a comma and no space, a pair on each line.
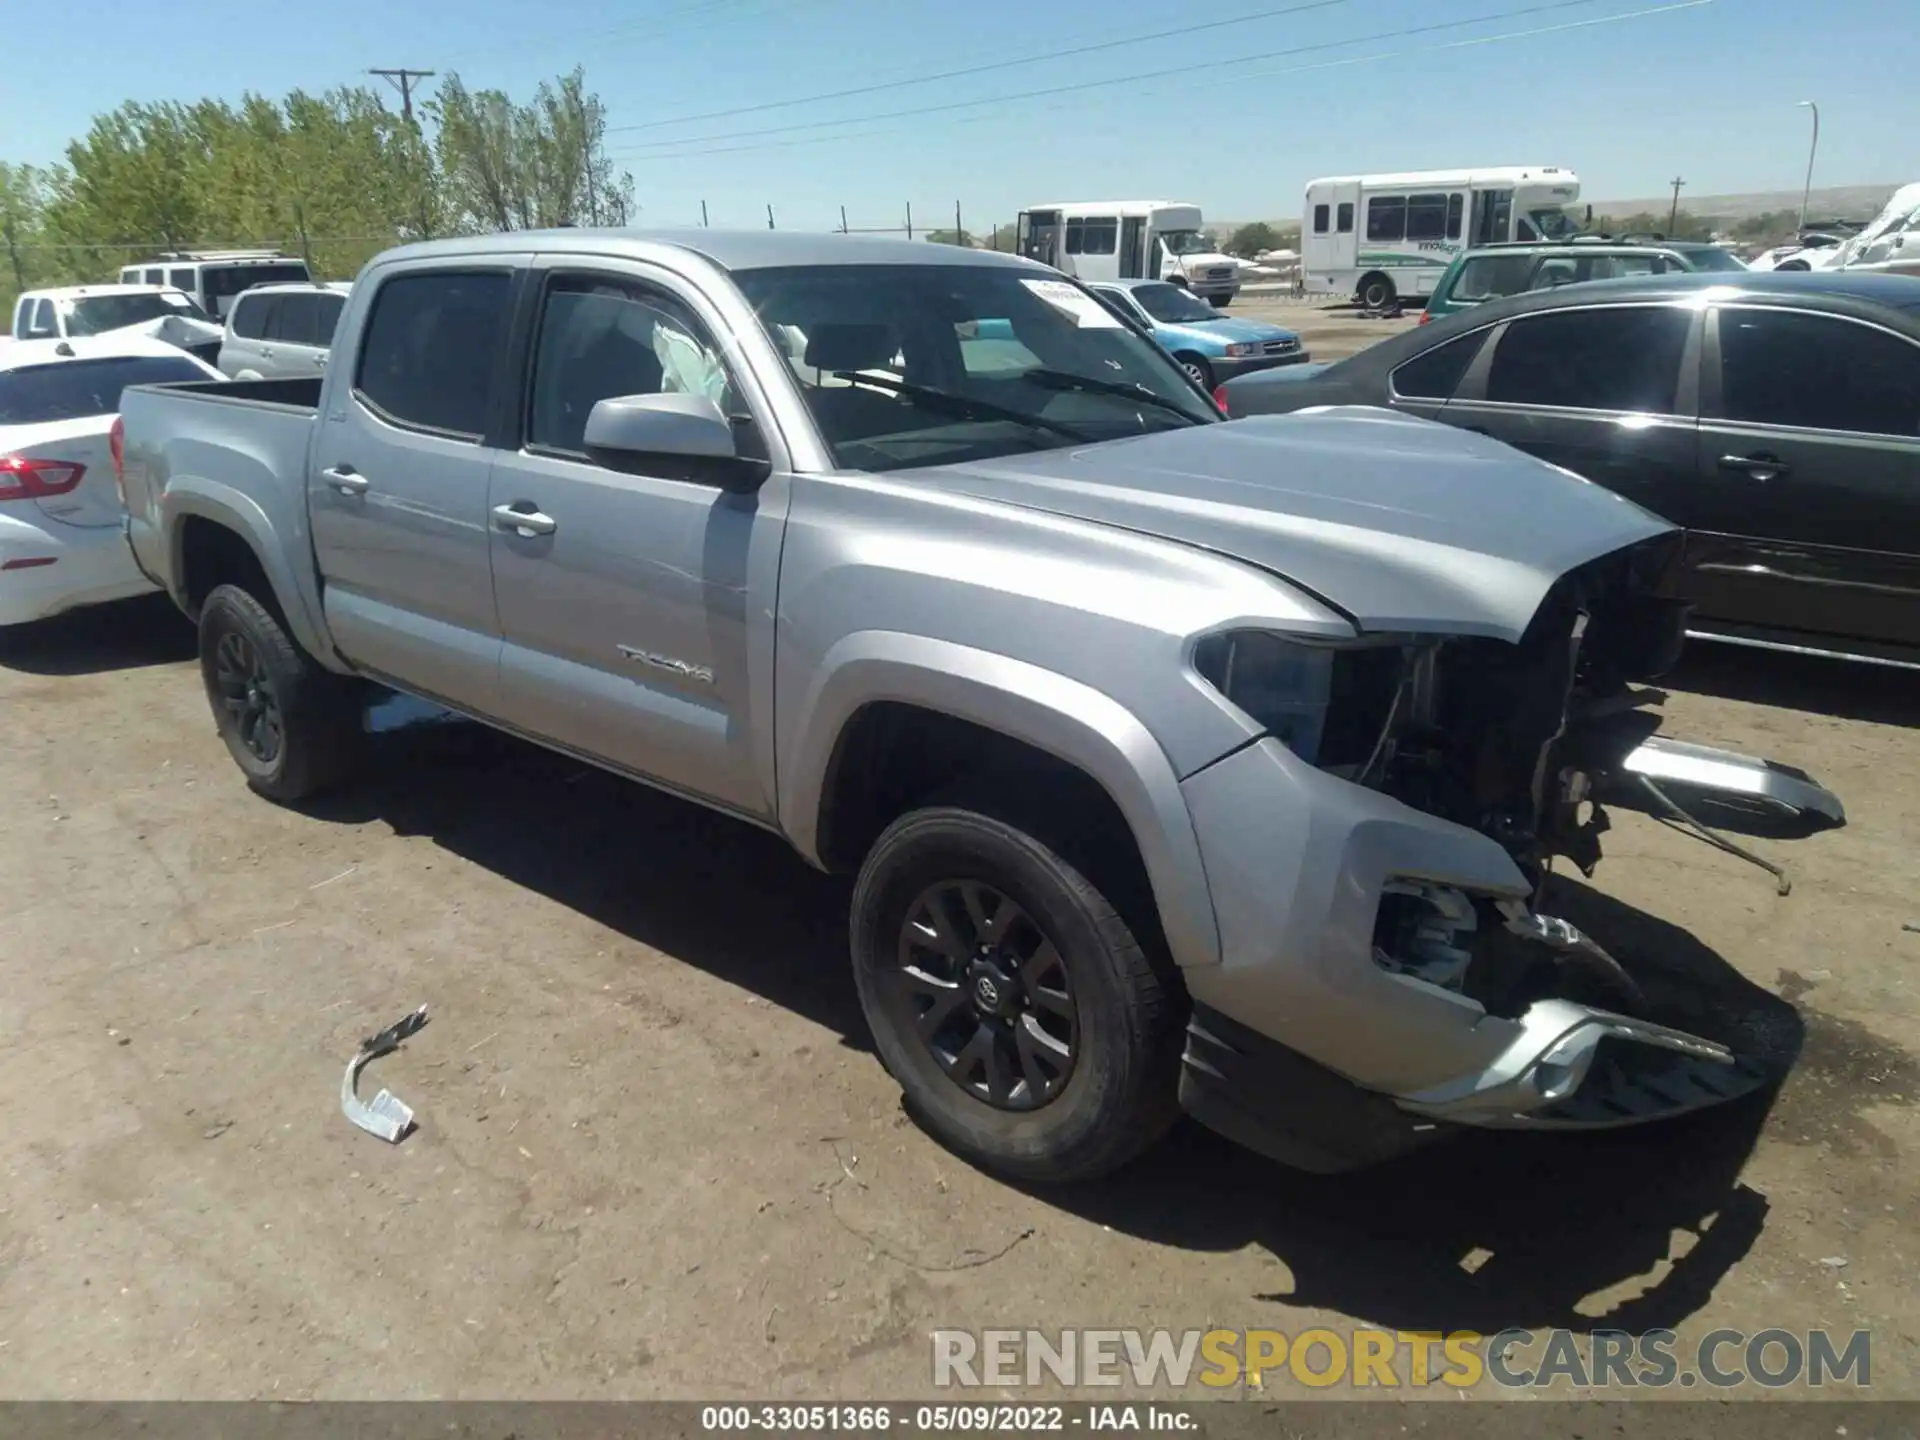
246,692
987,993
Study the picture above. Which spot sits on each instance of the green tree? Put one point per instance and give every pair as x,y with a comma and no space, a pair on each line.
334,177
516,167
25,260
950,237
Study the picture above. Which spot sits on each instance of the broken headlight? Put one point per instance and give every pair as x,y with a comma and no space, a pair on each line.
1326,703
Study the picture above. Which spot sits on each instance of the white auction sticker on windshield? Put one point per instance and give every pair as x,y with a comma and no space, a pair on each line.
1086,312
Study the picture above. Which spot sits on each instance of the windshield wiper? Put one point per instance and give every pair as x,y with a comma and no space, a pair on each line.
964,407
1067,380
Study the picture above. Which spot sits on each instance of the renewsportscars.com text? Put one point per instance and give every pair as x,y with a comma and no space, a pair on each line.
1395,1359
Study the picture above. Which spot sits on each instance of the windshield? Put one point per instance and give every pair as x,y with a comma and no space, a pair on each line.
1713,258
1553,224
70,389
1172,305
97,314
1189,242
967,362
220,283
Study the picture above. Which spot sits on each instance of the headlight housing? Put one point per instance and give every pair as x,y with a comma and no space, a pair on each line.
1326,703
1238,350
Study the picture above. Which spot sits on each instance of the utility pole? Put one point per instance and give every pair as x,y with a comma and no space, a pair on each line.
402,80
1812,150
1673,215
703,214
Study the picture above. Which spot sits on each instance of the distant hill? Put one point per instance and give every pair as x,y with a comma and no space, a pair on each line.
1849,202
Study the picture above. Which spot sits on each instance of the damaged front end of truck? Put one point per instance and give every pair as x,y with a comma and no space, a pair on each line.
1524,1020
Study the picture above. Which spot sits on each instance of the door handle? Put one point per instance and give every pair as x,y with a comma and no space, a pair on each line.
528,522
346,480
1760,467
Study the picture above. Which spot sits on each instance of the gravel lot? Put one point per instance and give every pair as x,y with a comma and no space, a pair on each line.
657,1157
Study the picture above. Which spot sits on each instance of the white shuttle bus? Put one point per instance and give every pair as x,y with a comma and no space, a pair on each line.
1387,237
1129,240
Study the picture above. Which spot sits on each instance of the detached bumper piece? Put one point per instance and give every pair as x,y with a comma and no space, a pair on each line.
1733,779
1277,1103
1595,1070
1630,1083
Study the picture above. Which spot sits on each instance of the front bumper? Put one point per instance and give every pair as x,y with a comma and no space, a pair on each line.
1226,367
47,568
1306,1048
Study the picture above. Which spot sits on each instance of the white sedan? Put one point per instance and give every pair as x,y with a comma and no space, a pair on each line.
62,522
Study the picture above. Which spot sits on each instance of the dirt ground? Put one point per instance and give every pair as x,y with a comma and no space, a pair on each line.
657,1157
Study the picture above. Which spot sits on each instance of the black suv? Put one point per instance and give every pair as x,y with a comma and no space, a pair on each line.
1775,417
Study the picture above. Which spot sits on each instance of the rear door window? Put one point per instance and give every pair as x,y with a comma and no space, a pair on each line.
1436,374
299,320
1817,372
1620,358
1488,277
426,361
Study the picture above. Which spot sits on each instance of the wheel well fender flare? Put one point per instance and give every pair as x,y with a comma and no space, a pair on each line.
1073,722
233,510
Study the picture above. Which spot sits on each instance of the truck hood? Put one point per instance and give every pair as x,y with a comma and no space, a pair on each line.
1403,524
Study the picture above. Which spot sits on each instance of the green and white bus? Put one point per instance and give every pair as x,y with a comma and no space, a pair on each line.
1382,238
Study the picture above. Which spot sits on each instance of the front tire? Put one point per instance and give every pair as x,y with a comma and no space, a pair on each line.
1197,368
1221,302
1030,1031
292,727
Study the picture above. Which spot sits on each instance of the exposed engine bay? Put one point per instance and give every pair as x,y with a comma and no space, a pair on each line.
1515,741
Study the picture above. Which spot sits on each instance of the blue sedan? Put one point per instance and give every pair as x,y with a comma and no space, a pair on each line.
1209,345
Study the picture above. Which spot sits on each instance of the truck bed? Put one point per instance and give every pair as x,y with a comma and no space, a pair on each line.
234,451
288,393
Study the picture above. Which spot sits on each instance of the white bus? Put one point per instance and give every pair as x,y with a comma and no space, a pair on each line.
1384,238
1129,240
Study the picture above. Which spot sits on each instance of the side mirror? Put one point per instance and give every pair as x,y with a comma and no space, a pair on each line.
678,437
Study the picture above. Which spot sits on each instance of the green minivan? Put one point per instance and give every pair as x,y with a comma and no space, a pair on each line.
1490,272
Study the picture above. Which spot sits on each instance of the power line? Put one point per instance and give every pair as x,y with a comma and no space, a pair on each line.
663,153
706,16
1085,85
1177,32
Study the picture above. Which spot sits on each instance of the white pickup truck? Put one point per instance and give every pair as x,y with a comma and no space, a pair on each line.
1181,763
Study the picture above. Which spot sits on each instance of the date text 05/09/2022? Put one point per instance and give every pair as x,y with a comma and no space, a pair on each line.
939,1419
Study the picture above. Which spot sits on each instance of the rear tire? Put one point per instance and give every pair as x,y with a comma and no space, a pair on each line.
1087,1032
1377,292
292,727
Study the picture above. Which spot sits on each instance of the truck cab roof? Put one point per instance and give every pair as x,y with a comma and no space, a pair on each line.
728,249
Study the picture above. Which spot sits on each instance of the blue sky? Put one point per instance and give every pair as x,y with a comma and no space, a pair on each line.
1705,91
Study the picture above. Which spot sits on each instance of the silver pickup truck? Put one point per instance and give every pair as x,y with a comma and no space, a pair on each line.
1182,763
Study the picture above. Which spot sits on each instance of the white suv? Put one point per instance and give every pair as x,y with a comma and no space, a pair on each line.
278,331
